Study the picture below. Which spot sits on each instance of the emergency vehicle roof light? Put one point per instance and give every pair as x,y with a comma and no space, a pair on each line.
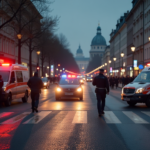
64,76
6,65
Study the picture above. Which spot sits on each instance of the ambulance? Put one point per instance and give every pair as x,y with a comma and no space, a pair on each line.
138,91
15,79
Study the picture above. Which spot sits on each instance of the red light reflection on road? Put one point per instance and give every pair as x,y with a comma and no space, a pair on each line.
5,114
7,131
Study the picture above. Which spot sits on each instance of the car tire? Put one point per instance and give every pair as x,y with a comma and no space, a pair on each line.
57,98
148,102
81,98
25,98
8,100
132,103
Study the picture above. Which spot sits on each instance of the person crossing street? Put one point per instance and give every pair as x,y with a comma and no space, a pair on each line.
35,84
102,88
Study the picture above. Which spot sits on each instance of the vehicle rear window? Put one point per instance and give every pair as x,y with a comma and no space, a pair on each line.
69,82
5,75
143,77
44,79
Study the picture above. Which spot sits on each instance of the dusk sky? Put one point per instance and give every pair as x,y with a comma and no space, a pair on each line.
79,19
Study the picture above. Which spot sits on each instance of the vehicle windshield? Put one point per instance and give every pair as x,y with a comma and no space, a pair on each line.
143,77
69,82
89,78
5,75
44,79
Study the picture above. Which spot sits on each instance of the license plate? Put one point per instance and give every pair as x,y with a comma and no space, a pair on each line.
68,93
126,99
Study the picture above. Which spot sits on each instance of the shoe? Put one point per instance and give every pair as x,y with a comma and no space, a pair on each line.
35,109
103,112
100,115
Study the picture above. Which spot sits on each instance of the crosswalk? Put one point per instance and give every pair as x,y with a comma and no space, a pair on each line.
76,117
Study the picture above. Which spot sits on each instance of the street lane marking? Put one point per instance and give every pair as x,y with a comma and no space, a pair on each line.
5,114
135,118
16,118
68,117
80,117
110,117
146,112
37,117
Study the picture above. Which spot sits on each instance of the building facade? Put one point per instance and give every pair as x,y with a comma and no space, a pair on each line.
98,44
82,61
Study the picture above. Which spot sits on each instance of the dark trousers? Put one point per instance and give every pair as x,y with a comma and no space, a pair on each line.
100,103
35,99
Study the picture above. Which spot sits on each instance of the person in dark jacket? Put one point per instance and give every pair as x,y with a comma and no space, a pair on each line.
1,85
35,83
102,87
116,81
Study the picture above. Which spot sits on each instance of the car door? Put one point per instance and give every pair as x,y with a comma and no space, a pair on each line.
20,84
12,85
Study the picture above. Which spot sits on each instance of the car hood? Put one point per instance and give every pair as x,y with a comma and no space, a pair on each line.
136,85
69,86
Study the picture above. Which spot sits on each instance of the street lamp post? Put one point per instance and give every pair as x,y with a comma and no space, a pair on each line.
122,55
114,61
38,63
133,50
19,48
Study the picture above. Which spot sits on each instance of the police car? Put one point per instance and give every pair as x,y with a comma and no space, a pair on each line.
69,86
138,91
15,79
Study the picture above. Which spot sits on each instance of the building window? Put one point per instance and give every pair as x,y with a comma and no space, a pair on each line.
94,47
101,47
98,47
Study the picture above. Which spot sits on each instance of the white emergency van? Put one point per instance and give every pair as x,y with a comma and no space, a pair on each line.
15,79
138,91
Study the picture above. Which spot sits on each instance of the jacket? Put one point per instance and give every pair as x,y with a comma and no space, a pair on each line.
101,81
35,84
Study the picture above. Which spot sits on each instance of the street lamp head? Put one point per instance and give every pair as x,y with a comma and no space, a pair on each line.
38,52
114,58
58,65
47,67
149,38
57,69
122,54
105,64
109,61
133,48
19,36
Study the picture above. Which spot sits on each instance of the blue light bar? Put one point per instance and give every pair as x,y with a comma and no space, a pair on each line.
64,76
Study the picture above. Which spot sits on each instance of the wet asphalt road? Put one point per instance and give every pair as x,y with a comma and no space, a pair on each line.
74,125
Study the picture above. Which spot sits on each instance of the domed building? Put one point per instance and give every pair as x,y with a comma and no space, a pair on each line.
98,44
82,61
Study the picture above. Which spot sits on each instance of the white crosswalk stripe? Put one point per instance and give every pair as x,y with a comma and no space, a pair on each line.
135,118
74,117
80,117
16,118
110,117
37,117
146,112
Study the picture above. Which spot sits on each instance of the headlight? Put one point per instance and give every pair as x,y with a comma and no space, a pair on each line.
122,90
79,89
4,88
139,90
81,80
45,83
58,89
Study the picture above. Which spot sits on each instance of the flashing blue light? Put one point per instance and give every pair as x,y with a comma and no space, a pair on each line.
64,76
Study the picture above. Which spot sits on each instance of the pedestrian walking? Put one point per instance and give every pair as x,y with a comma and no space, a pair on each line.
116,81
102,88
35,84
1,85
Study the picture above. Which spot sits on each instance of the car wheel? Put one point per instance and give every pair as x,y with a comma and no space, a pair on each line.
132,103
57,98
148,102
81,98
25,98
8,100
